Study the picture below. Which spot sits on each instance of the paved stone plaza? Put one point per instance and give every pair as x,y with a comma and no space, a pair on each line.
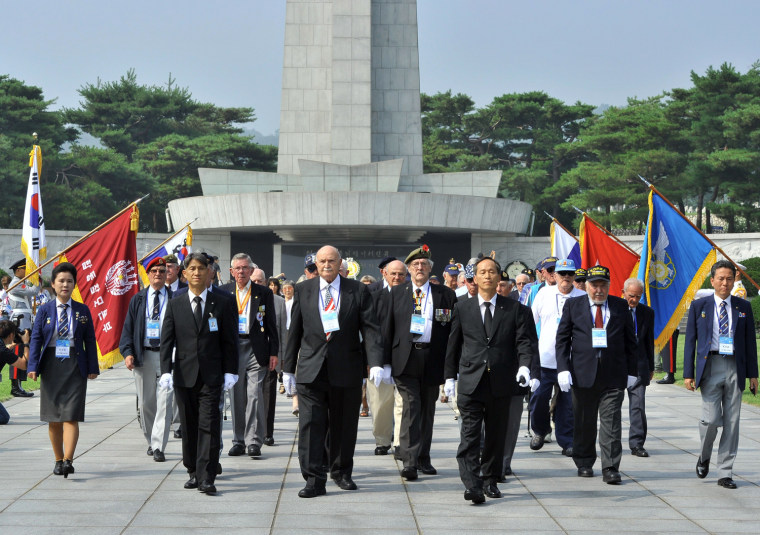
119,489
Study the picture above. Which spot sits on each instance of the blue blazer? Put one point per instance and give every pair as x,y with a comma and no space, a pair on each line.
699,331
84,347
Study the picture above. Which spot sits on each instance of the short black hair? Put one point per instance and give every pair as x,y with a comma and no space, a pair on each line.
6,328
203,258
64,267
498,266
720,264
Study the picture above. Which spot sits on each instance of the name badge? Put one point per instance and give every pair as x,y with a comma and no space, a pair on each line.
212,325
330,321
726,345
418,324
152,330
243,325
598,338
559,318
62,348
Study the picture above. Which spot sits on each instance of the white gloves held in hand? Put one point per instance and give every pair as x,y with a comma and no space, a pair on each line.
632,379
565,381
523,373
166,382
229,381
534,384
289,382
449,388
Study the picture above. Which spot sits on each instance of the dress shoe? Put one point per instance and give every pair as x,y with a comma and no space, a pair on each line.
727,483
58,469
235,450
345,482
427,469
611,476
585,471
492,491
669,379
254,451
311,491
67,468
149,452
639,452
207,487
537,442
703,467
178,433
382,450
158,456
269,441
409,473
21,393
568,451
191,483
475,495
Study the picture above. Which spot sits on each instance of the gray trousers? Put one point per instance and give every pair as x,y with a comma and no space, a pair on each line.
606,404
637,415
381,400
513,429
721,405
247,403
155,403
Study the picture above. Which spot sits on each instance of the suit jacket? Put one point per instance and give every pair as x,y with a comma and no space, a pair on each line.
472,352
399,340
645,341
133,332
699,328
84,347
281,318
200,352
575,354
267,343
375,286
342,353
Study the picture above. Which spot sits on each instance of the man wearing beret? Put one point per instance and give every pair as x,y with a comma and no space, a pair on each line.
172,273
381,283
139,345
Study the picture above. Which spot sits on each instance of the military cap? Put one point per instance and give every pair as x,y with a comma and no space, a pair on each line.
597,273
310,260
469,271
580,274
529,272
171,259
420,252
158,261
452,268
385,261
18,264
548,262
564,265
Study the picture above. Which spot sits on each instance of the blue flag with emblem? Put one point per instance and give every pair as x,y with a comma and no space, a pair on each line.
675,260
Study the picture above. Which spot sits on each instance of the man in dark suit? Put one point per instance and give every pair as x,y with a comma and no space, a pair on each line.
416,331
328,316
642,318
721,331
492,342
258,344
598,332
382,282
202,326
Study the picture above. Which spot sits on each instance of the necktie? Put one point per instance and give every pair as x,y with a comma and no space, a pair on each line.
487,319
329,306
635,326
198,313
154,315
63,323
598,320
723,320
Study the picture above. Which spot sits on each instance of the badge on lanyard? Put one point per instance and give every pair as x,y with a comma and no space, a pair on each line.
212,325
726,345
152,330
62,348
330,321
598,338
418,324
243,325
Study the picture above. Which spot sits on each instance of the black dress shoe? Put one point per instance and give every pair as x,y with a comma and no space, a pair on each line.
611,476
703,467
427,469
207,487
727,483
21,393
669,379
149,453
475,495
158,456
58,469
397,453
382,450
67,468
639,452
312,491
269,441
585,471
178,433
537,442
235,450
346,483
568,451
409,473
191,483
254,451
492,491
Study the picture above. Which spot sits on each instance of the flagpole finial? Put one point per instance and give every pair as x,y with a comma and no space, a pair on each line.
645,181
578,210
34,135
549,215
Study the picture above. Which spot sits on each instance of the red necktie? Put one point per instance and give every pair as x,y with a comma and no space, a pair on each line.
598,321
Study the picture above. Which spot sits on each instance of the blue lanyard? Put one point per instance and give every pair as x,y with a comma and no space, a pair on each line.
605,319
161,305
322,301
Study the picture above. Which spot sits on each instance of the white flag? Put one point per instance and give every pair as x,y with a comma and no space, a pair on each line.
33,242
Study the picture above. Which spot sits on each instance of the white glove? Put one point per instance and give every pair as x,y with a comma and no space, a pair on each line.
565,381
450,388
523,373
534,384
289,382
229,381
166,382
632,380
376,375
387,379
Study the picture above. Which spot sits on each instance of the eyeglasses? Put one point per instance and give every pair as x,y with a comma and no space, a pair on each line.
565,273
520,283
419,264
241,268
156,270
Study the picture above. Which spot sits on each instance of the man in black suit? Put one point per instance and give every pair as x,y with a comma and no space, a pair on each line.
330,319
258,344
596,329
381,283
642,318
492,342
416,331
202,326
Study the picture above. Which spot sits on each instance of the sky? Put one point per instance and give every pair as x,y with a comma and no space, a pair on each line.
230,53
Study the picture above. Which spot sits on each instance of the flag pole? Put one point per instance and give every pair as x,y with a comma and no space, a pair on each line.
601,227
744,274
554,219
166,240
80,240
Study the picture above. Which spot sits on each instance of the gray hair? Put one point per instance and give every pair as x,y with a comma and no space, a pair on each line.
289,282
243,256
368,278
633,282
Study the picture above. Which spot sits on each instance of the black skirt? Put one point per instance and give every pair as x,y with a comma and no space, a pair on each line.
62,389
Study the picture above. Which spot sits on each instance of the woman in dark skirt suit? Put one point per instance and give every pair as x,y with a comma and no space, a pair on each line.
63,352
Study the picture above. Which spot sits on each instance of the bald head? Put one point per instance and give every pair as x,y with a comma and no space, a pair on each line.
259,277
328,262
394,272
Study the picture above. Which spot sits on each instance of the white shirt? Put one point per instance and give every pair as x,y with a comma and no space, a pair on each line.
57,314
460,291
334,292
483,307
547,310
427,311
605,312
241,297
288,308
162,297
192,296
715,343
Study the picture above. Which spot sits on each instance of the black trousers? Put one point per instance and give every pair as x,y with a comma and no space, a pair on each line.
669,352
606,403
478,411
417,419
270,399
201,421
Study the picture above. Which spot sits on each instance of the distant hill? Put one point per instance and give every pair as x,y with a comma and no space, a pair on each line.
261,139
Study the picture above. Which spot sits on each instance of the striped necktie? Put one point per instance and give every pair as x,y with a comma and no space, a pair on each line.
63,323
723,320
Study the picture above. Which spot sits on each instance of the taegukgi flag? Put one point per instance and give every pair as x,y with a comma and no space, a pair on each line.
33,242
181,244
564,244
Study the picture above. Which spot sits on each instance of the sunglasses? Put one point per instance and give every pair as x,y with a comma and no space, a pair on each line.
154,271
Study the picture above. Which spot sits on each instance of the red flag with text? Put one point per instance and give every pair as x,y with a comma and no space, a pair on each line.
597,248
106,264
